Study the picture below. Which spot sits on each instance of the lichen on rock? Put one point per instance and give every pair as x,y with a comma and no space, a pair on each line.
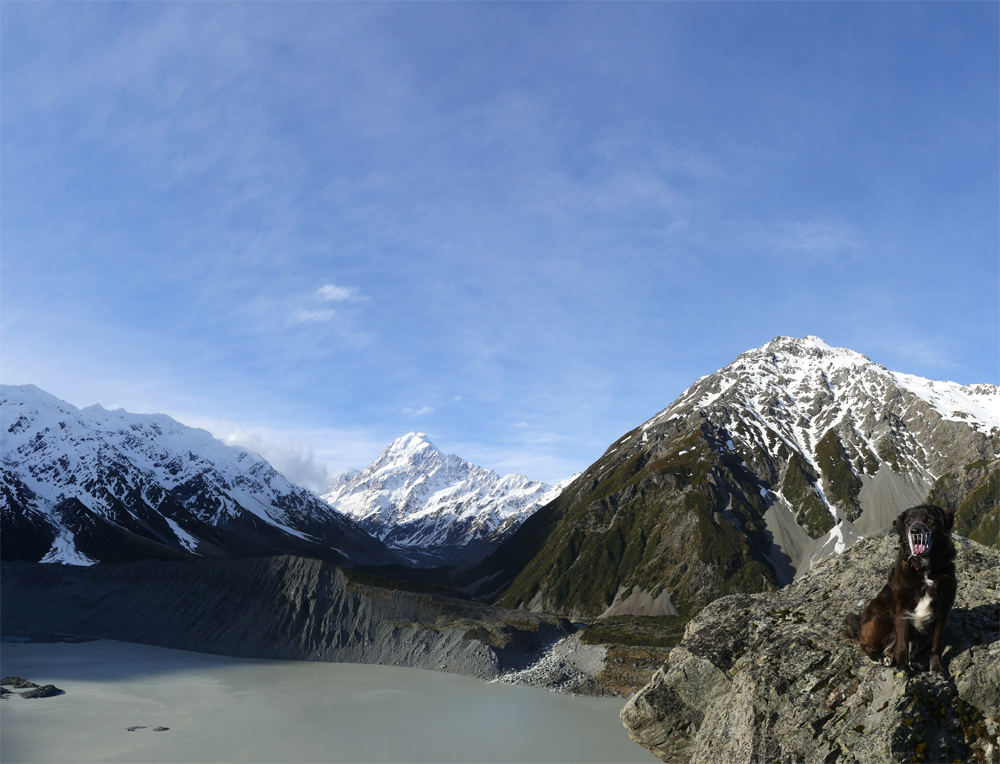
767,677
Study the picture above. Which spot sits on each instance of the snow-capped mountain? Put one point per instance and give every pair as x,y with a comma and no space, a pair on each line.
873,441
435,509
85,485
791,452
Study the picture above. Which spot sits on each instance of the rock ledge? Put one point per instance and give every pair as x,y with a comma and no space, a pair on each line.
767,678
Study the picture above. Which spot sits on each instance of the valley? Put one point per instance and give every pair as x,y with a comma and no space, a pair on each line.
757,479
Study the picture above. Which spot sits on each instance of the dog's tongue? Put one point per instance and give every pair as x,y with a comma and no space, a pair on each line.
920,538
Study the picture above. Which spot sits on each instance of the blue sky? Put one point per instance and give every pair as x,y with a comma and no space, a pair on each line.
522,229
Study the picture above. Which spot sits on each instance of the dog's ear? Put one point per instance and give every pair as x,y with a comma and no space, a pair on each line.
897,524
949,518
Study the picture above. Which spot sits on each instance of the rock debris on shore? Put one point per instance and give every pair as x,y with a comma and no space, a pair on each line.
32,690
568,666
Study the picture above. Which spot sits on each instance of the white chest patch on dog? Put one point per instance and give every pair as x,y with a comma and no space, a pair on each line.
922,613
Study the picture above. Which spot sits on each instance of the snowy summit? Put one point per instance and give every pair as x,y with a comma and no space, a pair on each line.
433,508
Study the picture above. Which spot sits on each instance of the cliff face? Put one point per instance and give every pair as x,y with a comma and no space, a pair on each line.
974,490
766,677
281,607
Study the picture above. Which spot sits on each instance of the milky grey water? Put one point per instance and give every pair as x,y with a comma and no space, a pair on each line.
234,710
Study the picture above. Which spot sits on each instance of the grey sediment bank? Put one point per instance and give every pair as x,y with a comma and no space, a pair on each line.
288,608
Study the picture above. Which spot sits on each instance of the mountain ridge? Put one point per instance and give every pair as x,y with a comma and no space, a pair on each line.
433,508
132,486
791,452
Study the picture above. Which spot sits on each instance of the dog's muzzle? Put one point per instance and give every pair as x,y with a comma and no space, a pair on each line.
920,537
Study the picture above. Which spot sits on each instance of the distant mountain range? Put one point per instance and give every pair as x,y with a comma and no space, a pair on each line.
79,486
434,509
789,453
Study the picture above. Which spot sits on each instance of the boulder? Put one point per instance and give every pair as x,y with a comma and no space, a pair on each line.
768,678
45,691
17,683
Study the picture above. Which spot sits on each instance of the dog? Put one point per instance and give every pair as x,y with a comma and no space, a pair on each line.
914,604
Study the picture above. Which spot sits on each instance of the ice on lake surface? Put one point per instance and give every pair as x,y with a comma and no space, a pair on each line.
230,709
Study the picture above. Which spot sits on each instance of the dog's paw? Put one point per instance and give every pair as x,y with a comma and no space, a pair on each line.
937,668
916,666
887,660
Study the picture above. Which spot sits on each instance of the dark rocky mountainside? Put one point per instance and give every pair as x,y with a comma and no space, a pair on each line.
790,453
279,607
767,678
974,491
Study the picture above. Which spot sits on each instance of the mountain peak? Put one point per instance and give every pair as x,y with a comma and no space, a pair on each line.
809,346
21,395
409,444
791,452
435,508
339,478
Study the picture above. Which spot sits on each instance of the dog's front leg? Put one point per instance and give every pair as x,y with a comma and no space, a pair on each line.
937,643
915,646
901,654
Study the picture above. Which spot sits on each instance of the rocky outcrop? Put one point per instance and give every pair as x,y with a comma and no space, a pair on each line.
33,690
767,678
45,691
18,683
280,607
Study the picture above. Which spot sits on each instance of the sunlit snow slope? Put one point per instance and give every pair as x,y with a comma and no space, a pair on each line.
85,485
837,437
432,508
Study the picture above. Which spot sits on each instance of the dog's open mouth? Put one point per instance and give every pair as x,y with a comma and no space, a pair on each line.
920,537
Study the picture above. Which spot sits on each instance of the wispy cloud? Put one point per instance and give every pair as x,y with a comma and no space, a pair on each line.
536,464
325,294
312,316
305,457
927,353
422,411
334,293
902,351
294,459
814,237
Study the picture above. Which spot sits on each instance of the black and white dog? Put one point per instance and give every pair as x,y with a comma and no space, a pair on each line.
914,604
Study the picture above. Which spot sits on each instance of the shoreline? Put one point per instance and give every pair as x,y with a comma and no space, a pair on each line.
218,708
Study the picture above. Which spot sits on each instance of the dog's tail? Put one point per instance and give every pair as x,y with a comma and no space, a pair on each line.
852,626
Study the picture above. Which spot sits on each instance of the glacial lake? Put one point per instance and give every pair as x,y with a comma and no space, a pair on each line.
222,709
